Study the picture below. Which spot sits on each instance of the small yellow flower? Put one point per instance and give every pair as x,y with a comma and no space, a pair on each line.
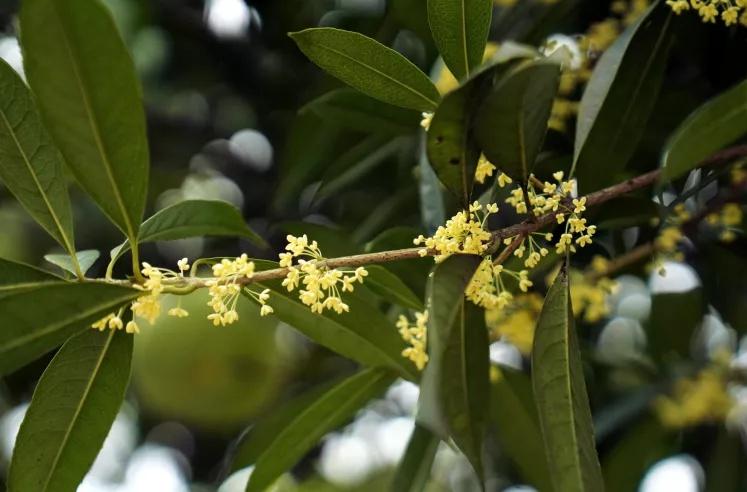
178,312
416,337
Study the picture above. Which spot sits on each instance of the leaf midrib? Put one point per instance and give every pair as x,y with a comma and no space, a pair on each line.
431,102
93,124
398,363
330,416
61,324
463,25
78,409
63,235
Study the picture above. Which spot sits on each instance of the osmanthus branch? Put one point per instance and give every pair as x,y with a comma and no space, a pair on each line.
516,231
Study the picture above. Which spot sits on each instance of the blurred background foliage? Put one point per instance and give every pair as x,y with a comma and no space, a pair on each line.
235,112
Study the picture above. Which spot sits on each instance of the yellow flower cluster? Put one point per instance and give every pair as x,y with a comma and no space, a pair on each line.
670,237
703,398
464,233
729,11
225,289
321,285
147,306
487,289
552,198
516,322
589,297
726,221
416,336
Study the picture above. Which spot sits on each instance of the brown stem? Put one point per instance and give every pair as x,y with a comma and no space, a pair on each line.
521,230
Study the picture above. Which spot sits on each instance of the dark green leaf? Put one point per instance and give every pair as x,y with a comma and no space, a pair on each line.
326,413
673,321
89,96
38,319
460,29
15,276
724,470
452,149
643,444
619,98
85,259
515,416
415,468
31,166
357,163
512,122
455,389
364,334
716,124
390,287
432,210
193,218
73,407
358,111
260,436
368,66
560,394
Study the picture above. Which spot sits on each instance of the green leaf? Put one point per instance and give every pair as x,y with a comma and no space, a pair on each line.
359,162
515,416
368,66
73,407
31,166
512,122
329,411
451,147
364,334
389,286
84,259
432,210
716,124
261,435
89,97
452,150
415,468
643,444
619,98
455,388
674,319
460,29
360,112
560,394
193,218
14,276
38,319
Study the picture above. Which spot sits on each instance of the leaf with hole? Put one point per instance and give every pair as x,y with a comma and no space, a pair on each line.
560,395
369,66
89,97
39,318
73,407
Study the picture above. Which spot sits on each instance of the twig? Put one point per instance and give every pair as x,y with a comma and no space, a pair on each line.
521,230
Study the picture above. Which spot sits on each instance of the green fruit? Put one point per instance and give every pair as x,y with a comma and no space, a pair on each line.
214,378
